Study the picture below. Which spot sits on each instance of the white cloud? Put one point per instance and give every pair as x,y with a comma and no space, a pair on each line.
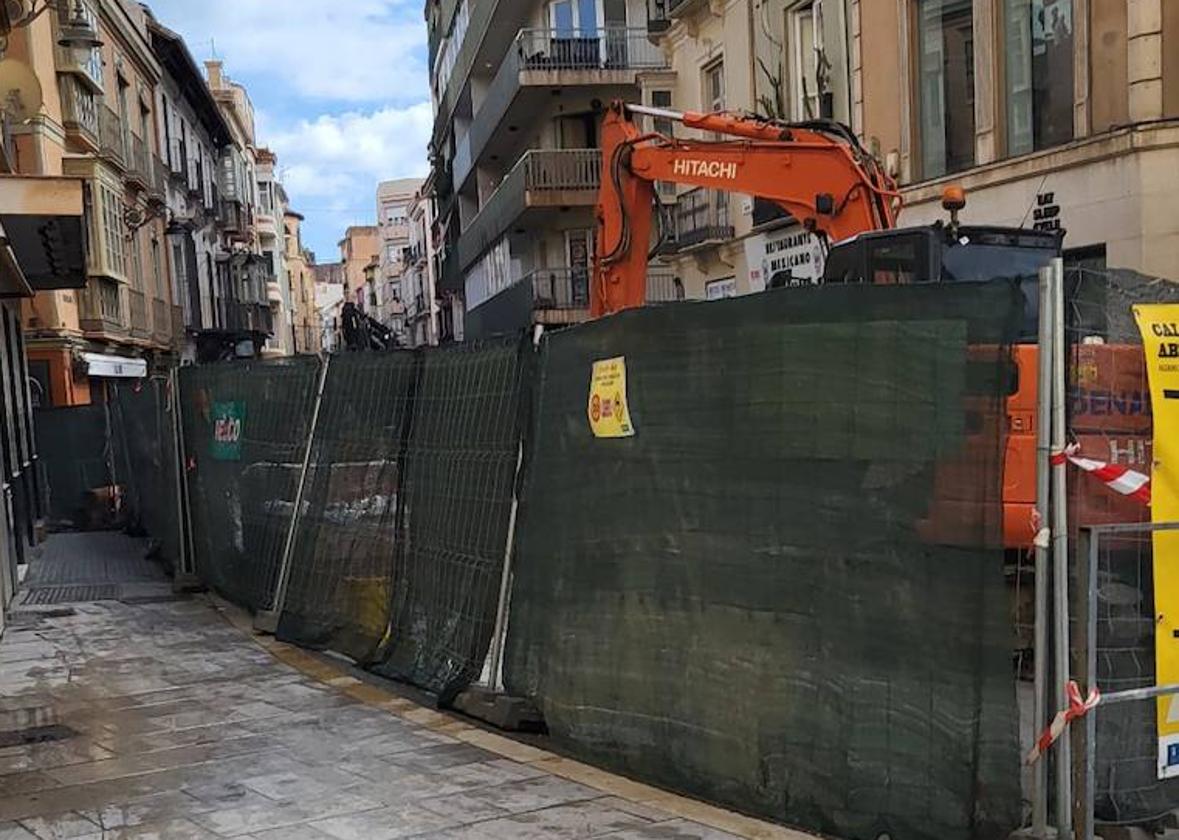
330,165
340,89
342,50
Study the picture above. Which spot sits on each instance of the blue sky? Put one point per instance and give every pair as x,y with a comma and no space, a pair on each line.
340,88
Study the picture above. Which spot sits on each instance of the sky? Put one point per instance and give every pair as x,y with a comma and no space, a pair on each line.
340,90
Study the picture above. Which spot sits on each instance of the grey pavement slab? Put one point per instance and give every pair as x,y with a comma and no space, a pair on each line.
185,729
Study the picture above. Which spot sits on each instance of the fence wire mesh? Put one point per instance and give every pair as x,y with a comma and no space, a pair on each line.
785,593
342,561
461,455
246,425
143,448
1110,419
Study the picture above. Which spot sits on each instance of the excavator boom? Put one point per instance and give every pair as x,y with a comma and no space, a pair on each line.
817,172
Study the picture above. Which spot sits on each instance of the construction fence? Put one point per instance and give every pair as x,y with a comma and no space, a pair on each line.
764,567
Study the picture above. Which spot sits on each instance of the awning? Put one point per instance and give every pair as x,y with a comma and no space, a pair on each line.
114,367
42,235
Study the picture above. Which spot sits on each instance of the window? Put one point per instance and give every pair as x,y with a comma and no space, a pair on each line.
1039,74
157,276
666,127
569,17
804,63
111,206
266,196
714,86
723,288
898,260
945,101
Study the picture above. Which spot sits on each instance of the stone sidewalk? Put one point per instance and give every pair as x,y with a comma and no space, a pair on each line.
168,720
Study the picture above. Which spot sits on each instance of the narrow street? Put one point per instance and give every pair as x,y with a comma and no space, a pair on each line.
159,716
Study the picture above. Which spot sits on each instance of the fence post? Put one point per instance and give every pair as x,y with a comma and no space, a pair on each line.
1043,489
1064,781
186,573
498,638
266,621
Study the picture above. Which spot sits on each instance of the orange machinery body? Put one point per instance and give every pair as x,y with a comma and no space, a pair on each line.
820,175
1109,418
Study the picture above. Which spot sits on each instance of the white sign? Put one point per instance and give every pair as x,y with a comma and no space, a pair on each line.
791,256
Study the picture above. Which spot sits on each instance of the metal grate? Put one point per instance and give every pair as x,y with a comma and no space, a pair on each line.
45,595
36,735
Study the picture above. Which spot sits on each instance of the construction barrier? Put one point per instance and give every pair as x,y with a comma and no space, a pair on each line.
774,578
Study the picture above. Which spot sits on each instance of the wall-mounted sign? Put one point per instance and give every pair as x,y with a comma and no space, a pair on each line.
1159,325
228,421
1046,215
791,256
609,406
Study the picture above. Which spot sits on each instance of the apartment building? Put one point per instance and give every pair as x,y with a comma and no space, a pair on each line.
419,282
99,124
193,135
393,200
306,334
518,92
41,275
1055,114
269,221
359,249
244,273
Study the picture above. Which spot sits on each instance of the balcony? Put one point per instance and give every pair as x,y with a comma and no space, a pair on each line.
100,311
235,218
177,315
111,140
79,115
554,297
540,61
139,327
273,291
144,169
161,321
541,179
701,220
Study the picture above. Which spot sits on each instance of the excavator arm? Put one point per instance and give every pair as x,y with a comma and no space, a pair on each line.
817,172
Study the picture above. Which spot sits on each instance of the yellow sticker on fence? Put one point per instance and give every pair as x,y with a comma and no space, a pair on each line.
609,407
1159,325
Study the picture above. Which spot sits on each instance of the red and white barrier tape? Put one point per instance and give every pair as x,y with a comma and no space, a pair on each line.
1121,480
1077,707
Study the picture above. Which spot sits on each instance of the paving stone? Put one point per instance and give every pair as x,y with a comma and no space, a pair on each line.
190,730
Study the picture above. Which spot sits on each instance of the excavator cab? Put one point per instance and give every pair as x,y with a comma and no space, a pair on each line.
948,253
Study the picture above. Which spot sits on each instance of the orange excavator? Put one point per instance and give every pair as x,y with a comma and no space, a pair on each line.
820,174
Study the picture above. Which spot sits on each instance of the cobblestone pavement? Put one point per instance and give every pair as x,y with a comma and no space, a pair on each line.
167,721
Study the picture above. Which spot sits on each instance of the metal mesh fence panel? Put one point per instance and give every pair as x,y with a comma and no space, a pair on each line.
1110,419
246,426
144,451
785,592
342,562
461,457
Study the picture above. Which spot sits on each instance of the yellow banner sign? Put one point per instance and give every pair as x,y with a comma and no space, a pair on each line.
609,408
1159,325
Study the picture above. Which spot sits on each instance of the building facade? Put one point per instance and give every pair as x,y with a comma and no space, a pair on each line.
360,248
244,274
419,282
99,123
270,210
1056,114
393,201
519,90
194,137
306,333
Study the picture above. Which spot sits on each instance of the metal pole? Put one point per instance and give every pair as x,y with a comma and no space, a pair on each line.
1043,486
495,677
498,640
267,620
1064,781
182,568
1090,539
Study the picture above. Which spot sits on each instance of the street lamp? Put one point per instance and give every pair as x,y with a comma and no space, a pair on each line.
78,35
